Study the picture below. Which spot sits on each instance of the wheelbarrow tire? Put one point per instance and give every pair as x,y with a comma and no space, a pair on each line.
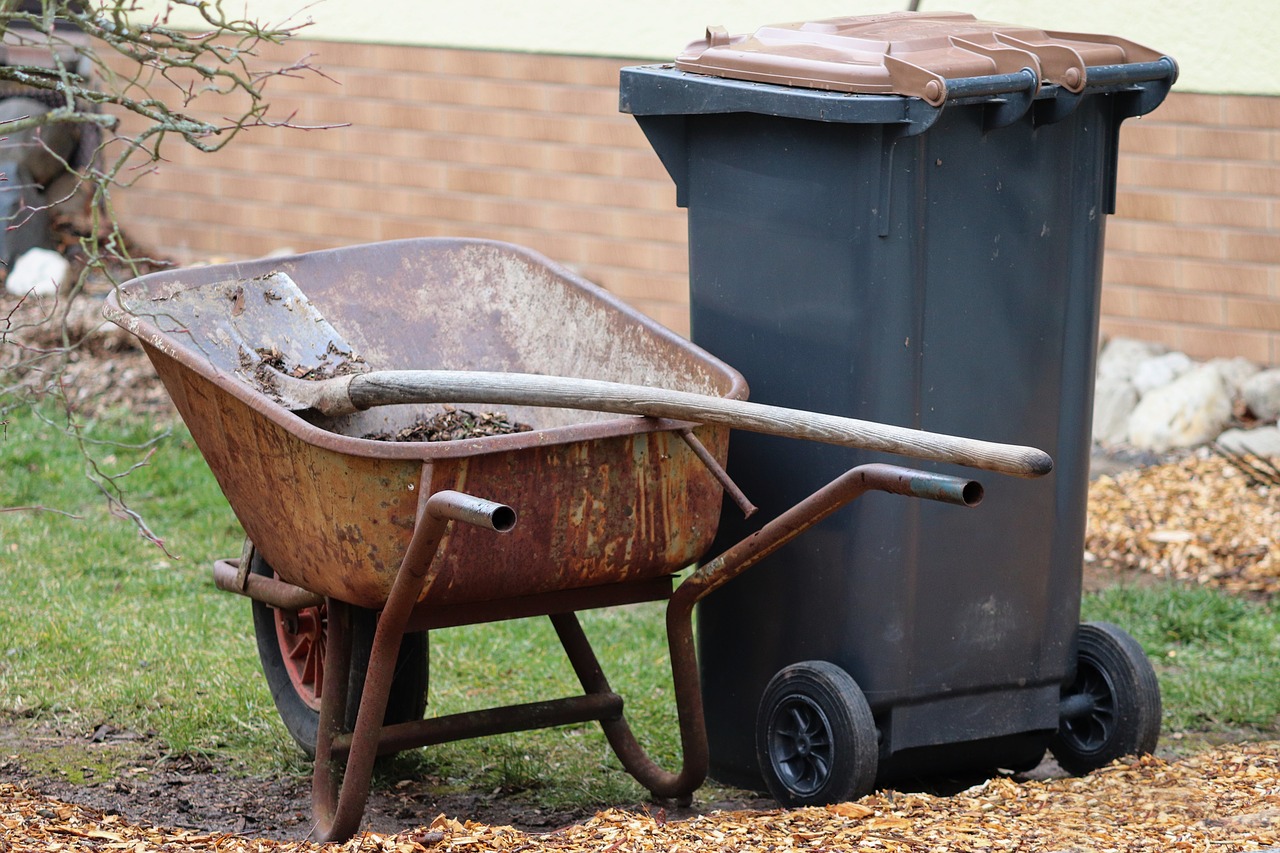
816,740
1111,708
301,715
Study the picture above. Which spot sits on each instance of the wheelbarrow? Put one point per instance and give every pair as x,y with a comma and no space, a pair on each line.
356,548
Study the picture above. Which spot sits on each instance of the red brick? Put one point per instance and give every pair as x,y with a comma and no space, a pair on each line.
421,175
1252,111
1204,343
1161,333
1234,211
480,181
1166,173
1153,206
1253,313
1252,179
633,285
1213,143
1183,308
1259,246
1224,277
343,168
1189,108
1139,269
379,85
1149,138
1117,300
1167,240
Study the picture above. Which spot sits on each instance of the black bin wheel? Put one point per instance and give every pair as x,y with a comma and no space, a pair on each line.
815,738
291,647
1112,707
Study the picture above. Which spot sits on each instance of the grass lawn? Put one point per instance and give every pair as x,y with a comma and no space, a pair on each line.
103,626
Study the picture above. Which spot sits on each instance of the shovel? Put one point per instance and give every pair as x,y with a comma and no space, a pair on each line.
273,309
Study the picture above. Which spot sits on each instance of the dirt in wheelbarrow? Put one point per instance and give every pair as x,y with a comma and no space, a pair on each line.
452,424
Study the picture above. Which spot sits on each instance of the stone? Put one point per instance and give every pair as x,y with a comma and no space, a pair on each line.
1263,441
1191,410
1121,356
1261,393
39,271
1152,373
1113,402
1236,371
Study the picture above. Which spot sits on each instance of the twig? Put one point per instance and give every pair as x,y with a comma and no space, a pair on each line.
40,509
1257,474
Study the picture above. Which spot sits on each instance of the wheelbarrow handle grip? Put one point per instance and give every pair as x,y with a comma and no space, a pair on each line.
362,391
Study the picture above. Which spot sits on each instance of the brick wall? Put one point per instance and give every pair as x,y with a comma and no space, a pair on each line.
531,149
1193,253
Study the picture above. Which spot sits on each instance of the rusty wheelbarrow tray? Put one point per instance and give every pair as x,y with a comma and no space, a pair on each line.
426,534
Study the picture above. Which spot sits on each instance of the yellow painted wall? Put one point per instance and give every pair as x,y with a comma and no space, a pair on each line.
1227,46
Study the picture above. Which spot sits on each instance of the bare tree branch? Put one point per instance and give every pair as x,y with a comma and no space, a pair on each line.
129,83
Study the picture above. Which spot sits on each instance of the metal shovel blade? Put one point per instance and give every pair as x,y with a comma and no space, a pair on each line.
255,327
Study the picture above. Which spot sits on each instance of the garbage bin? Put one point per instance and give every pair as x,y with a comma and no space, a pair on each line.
900,218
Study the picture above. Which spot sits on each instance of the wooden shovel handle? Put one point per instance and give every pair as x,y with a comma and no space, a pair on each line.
385,387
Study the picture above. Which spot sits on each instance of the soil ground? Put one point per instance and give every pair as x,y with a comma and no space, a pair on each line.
130,775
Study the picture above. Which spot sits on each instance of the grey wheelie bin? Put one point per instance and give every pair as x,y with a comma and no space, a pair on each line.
900,218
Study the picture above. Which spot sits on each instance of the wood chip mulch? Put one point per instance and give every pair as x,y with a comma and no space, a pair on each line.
1201,519
1226,799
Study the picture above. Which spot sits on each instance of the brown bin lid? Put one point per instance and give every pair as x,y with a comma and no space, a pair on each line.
904,53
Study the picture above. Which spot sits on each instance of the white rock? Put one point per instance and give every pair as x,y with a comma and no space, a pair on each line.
1235,371
1191,410
1121,356
1261,393
1263,441
39,271
1113,403
1151,373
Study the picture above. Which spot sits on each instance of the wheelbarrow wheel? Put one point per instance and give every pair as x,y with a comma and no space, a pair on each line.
1112,707
291,647
816,740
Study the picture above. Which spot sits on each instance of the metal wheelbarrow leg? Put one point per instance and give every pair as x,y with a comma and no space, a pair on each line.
339,794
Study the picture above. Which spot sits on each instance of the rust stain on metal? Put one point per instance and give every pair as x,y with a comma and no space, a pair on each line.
602,498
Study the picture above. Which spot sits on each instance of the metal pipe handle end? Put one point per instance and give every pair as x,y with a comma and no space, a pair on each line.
472,510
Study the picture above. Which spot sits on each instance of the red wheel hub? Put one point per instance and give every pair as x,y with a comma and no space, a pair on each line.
302,636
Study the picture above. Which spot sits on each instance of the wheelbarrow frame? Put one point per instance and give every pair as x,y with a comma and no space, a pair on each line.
344,759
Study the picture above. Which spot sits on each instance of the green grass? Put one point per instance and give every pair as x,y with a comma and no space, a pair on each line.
101,626
1215,655
486,665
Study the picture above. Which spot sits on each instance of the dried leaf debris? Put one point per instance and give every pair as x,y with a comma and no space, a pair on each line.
452,425
1226,799
1201,519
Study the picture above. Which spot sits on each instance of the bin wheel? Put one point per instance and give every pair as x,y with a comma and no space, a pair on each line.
816,740
291,647
1112,707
